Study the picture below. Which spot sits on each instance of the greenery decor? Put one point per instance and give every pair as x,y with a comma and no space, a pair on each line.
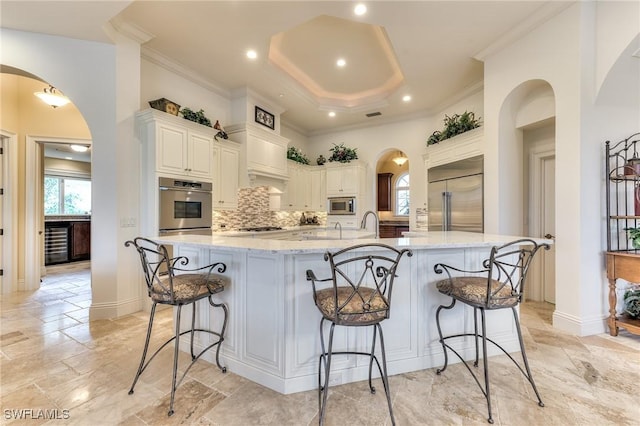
197,117
632,302
295,154
454,125
342,153
634,235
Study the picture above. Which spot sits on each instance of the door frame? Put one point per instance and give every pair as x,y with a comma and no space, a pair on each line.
9,213
537,156
34,236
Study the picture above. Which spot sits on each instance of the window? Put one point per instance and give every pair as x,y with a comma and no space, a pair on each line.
402,195
66,195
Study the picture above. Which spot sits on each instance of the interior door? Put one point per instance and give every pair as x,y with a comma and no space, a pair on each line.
549,227
435,204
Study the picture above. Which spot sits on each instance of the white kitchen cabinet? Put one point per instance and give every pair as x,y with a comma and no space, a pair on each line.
318,185
178,147
226,162
345,179
298,195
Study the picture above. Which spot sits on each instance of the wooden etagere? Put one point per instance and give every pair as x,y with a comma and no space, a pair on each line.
622,165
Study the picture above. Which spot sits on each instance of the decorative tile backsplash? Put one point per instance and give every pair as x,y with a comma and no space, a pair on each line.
253,211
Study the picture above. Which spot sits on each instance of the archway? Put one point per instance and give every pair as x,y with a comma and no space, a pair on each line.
393,201
527,142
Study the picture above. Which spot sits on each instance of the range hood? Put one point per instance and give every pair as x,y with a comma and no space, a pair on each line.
265,154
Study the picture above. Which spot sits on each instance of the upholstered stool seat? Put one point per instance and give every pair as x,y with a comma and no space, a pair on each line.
473,291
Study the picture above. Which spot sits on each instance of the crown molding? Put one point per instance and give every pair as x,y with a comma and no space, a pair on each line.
537,18
128,30
170,65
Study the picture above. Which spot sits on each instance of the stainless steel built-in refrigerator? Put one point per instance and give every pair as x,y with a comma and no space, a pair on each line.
455,196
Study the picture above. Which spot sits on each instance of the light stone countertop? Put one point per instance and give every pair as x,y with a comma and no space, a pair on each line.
426,240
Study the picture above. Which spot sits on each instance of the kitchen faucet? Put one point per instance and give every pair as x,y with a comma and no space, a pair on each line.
339,225
363,224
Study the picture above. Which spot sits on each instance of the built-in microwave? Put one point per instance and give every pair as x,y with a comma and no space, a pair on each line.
342,205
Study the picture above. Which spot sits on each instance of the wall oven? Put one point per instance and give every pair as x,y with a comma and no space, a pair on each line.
342,205
184,205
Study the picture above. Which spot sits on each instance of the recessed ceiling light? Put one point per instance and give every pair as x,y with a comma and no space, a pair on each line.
341,62
332,114
406,98
252,54
360,9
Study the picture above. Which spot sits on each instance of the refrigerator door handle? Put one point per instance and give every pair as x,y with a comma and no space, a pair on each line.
446,211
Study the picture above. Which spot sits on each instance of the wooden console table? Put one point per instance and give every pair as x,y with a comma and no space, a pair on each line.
627,267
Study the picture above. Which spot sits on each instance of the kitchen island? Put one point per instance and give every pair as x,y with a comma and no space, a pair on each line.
273,335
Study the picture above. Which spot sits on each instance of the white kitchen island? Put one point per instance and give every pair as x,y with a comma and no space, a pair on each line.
273,331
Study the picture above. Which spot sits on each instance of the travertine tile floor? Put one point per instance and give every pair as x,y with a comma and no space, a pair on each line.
52,358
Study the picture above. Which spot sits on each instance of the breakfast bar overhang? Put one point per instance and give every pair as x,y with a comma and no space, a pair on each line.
273,331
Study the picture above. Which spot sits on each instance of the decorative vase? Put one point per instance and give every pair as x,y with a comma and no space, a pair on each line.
321,160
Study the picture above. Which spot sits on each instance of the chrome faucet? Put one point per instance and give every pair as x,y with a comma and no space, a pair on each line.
363,224
339,225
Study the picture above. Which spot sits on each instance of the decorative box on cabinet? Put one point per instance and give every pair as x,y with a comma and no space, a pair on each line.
226,163
623,211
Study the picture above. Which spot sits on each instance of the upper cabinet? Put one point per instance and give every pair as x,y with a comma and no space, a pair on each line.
384,192
226,162
180,148
464,145
345,179
318,184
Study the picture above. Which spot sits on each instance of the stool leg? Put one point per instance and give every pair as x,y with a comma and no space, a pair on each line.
222,331
487,392
475,328
444,347
385,376
524,358
325,388
176,352
193,327
371,358
146,347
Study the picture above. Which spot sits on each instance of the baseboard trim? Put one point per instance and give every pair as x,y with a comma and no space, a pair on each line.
113,309
578,326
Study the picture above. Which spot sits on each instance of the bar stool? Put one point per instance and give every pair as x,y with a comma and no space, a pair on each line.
358,294
187,287
501,287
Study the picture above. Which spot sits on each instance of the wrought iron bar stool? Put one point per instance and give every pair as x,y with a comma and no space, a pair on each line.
358,294
169,283
501,287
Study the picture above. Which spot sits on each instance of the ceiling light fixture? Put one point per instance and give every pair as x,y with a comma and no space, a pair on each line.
360,9
79,148
400,159
406,98
252,54
332,114
52,97
341,62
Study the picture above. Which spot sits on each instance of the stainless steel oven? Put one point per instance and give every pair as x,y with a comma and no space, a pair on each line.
184,204
342,205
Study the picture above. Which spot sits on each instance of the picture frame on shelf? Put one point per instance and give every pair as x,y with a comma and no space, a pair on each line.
265,118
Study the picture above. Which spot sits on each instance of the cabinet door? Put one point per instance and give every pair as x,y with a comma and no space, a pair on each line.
319,190
350,180
228,177
303,190
171,146
334,181
292,201
199,151
384,191
343,180
80,240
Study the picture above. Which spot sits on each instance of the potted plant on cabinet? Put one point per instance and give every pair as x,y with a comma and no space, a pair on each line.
454,125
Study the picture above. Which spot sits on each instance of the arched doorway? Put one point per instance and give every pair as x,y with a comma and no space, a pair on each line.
393,189
527,141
